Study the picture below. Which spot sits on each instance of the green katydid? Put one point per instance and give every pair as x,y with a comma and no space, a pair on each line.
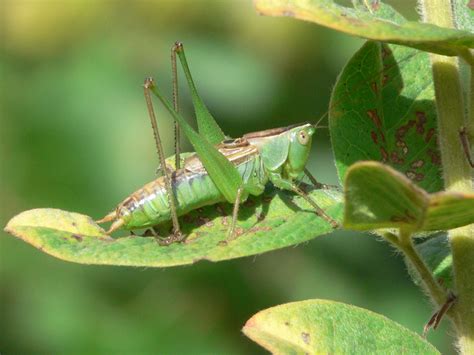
221,169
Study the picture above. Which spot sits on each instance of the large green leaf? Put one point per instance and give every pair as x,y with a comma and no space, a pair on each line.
380,23
382,109
377,196
327,327
274,220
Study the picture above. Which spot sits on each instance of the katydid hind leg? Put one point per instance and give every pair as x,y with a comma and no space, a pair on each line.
177,235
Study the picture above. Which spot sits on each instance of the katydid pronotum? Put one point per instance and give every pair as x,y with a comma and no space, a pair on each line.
221,170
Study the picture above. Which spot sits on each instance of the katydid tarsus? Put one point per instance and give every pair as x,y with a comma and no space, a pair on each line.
221,170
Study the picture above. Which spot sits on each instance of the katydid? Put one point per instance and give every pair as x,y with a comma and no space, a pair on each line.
221,170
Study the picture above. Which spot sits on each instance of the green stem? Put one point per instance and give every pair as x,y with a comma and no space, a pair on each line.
405,244
457,173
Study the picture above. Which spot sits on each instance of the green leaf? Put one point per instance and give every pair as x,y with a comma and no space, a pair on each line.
463,12
449,210
327,327
222,172
379,23
382,109
436,253
380,197
274,220
377,196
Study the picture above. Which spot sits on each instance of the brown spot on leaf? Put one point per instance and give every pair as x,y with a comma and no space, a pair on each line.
373,135
434,156
470,4
410,174
287,323
419,177
384,80
77,237
375,118
429,134
260,229
403,130
385,52
420,122
384,154
306,338
224,221
396,159
373,85
375,5
73,224
417,164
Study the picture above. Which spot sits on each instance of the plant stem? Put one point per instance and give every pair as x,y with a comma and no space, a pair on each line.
457,173
405,244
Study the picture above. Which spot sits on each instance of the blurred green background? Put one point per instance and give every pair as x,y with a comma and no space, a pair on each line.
75,135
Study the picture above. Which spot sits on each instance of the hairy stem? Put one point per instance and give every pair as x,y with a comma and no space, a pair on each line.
405,244
457,174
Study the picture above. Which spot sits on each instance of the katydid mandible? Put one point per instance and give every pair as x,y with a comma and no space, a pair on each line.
221,170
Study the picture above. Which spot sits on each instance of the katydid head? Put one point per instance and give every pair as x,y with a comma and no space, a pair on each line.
300,139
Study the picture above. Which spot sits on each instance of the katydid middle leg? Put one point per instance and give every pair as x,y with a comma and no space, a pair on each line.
317,184
284,184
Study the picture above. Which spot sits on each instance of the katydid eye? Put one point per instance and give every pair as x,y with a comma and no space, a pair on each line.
303,137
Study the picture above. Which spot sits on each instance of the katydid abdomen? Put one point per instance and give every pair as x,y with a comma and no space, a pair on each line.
192,187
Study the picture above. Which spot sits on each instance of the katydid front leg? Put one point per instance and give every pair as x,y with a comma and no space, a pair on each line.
242,195
285,184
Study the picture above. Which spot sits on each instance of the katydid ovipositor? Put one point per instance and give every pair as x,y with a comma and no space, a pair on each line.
221,169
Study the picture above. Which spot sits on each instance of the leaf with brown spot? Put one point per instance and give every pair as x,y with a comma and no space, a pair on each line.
377,196
288,220
327,327
396,124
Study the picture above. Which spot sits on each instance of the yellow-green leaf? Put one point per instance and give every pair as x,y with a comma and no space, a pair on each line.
327,327
274,220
